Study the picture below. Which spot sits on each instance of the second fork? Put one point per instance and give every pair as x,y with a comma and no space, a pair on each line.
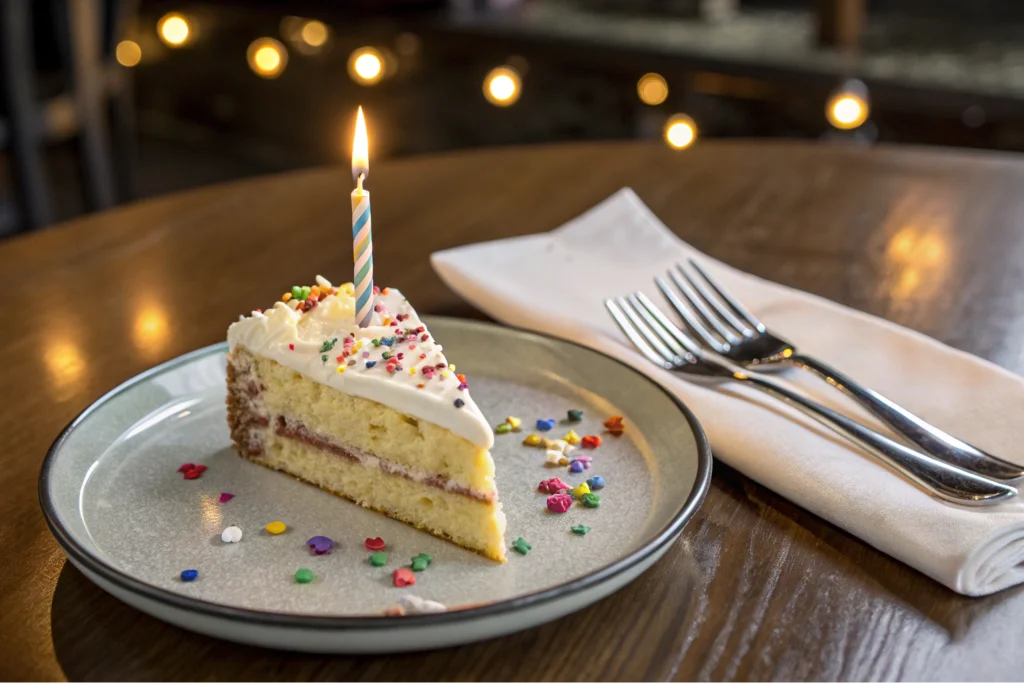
730,330
667,346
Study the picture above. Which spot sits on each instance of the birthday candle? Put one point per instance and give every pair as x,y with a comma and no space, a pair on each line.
362,234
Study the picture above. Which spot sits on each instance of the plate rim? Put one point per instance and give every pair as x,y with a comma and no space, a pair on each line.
173,599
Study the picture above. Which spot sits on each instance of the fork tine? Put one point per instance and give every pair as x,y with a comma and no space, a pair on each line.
654,325
646,331
637,340
692,321
687,344
724,314
737,306
684,286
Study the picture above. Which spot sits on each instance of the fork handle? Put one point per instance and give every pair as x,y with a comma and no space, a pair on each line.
915,429
943,480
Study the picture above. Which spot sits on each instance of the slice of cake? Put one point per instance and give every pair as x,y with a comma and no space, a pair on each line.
376,415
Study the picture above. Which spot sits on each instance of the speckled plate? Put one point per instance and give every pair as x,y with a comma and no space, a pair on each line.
128,520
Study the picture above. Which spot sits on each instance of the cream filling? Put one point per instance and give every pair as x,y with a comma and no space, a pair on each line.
298,431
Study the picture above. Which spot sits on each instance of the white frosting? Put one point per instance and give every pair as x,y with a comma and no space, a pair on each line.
297,341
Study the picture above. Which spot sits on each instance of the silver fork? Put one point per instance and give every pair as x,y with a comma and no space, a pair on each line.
669,347
726,327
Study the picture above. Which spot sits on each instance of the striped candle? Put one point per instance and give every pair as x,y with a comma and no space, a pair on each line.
362,234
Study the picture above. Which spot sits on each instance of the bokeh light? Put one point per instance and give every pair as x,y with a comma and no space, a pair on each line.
128,53
502,86
174,29
366,66
680,131
267,57
847,112
314,33
652,89
848,106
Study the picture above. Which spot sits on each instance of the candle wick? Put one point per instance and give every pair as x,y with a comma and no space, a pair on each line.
359,182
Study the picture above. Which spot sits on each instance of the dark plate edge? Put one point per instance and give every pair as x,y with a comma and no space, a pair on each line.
82,556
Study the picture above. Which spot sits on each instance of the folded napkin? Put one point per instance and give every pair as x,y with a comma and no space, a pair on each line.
556,283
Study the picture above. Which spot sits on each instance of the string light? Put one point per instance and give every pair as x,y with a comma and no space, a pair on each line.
128,53
652,89
366,66
680,131
502,86
314,33
267,57
174,29
848,107
291,27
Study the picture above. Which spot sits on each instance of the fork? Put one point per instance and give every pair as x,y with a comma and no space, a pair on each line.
725,326
669,347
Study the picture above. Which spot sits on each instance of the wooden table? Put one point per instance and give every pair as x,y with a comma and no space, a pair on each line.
757,588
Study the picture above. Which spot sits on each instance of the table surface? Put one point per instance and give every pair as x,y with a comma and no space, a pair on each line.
756,588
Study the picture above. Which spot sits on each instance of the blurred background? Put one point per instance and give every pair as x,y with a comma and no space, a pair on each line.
106,102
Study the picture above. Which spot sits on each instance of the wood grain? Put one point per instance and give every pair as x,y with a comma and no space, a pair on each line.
756,589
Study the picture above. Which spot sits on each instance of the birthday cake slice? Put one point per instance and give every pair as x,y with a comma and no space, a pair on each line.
374,414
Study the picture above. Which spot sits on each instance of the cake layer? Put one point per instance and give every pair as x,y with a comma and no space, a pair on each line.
359,425
394,361
295,430
472,523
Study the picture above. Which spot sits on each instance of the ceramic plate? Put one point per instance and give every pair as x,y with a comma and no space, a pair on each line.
129,521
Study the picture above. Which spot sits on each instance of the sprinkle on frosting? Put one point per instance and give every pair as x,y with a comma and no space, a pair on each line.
313,331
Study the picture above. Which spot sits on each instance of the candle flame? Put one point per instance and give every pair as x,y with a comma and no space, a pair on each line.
360,148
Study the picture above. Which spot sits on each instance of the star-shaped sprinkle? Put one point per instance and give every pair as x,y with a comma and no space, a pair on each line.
521,546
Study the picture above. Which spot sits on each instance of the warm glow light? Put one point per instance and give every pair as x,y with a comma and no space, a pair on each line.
652,89
65,365
913,246
360,147
267,57
174,29
314,33
502,86
680,131
150,329
847,112
128,53
848,106
291,26
918,255
366,66
908,281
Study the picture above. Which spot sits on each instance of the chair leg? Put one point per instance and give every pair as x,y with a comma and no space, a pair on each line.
89,93
17,88
122,110
122,107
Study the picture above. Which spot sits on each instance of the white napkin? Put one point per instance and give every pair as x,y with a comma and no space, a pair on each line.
556,283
